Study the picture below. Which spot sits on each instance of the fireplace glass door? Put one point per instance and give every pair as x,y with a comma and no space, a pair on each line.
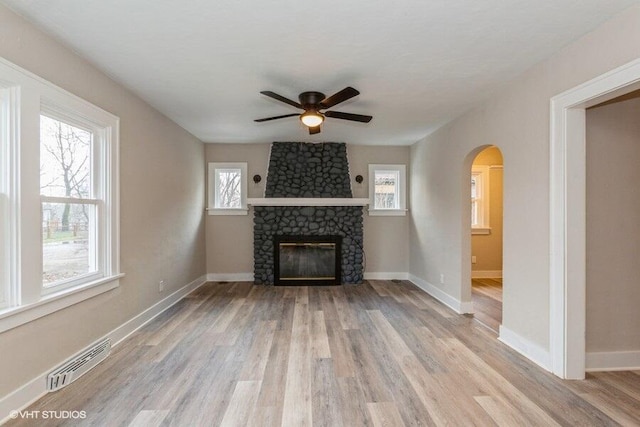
313,260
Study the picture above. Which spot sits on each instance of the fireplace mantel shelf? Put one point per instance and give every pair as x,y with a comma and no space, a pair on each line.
307,201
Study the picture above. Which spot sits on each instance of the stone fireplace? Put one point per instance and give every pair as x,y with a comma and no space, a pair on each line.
305,170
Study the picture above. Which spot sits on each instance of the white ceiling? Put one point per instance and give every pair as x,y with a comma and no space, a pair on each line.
417,63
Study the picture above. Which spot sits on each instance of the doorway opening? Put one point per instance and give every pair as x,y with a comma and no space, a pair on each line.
568,231
486,236
612,234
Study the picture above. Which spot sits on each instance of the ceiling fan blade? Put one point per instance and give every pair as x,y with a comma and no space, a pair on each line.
276,117
314,130
348,116
280,98
337,98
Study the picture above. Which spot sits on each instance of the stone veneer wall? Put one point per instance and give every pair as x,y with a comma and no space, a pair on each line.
298,169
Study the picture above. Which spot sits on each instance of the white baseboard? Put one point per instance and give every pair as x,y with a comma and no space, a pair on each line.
375,275
486,274
248,277
528,349
612,361
451,302
230,277
37,387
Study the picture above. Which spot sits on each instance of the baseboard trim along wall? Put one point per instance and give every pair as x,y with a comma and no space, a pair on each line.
230,277
37,387
486,274
528,349
612,361
248,277
451,302
386,276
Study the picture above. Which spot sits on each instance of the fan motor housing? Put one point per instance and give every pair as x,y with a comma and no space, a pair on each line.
311,99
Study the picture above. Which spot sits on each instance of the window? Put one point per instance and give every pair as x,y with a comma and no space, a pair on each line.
387,189
480,200
227,189
59,231
4,199
69,194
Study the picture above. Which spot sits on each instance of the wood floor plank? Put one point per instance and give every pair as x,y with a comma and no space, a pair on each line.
275,374
385,414
226,317
319,339
380,353
256,361
504,417
486,295
484,374
148,418
347,318
242,404
297,408
352,404
325,398
605,404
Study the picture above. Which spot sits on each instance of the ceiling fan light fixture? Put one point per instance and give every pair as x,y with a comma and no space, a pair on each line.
311,118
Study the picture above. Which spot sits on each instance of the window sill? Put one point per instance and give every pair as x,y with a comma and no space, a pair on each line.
481,231
214,211
13,317
387,212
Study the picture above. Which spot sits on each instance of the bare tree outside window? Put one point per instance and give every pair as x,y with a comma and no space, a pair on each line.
228,190
65,165
386,188
65,176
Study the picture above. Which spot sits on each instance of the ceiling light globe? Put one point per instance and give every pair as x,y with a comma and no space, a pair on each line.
312,118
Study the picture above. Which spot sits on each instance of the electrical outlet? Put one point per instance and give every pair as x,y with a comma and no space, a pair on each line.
473,259
161,286
441,278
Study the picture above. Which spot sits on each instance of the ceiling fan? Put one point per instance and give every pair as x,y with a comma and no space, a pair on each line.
312,103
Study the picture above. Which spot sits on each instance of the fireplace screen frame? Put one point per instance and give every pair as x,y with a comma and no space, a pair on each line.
303,239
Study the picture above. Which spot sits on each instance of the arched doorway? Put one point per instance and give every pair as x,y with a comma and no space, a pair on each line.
485,192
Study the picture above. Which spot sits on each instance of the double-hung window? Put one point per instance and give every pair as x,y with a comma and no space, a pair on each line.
387,189
227,189
5,238
59,215
71,201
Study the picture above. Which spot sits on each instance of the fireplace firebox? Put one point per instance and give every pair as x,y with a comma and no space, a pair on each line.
307,260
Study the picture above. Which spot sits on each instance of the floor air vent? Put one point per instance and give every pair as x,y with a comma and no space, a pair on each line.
73,369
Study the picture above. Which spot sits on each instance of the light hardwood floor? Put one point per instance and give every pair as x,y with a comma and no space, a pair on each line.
486,295
377,354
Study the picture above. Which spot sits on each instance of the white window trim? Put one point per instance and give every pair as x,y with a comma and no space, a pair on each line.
211,206
402,191
484,227
27,300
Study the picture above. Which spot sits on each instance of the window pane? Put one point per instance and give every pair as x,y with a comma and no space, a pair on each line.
68,251
228,190
474,189
65,159
386,189
4,202
474,213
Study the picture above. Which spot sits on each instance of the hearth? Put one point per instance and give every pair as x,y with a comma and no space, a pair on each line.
308,260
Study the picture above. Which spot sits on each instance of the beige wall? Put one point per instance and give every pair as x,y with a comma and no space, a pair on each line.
230,238
487,248
386,238
162,203
517,121
613,226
